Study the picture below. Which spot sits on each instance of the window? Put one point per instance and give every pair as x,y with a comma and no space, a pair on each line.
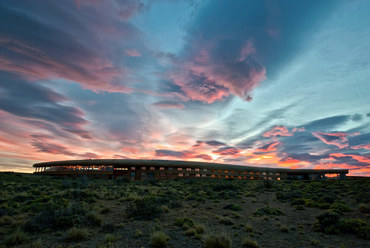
188,169
196,169
143,168
181,174
161,168
133,168
197,175
152,168
179,169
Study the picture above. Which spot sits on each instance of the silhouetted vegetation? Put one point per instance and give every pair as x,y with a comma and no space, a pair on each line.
39,211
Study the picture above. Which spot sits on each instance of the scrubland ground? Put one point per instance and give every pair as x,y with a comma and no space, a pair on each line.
41,211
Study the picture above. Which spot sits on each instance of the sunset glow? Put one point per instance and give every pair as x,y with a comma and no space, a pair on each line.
259,83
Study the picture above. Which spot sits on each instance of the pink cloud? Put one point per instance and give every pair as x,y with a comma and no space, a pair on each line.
338,139
169,105
227,151
363,146
132,53
277,131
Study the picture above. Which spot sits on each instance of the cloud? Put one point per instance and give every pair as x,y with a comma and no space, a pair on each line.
52,148
132,53
169,105
327,124
232,47
357,117
181,154
209,142
338,139
41,44
38,103
363,146
270,147
277,131
228,150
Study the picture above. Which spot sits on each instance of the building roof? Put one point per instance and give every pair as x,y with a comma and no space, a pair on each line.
179,164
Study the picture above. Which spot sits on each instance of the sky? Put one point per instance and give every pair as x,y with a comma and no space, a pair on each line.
275,83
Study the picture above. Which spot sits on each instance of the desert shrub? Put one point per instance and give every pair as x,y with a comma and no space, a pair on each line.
110,238
159,239
364,208
248,243
233,207
146,208
310,203
249,228
339,207
57,217
76,234
298,201
249,194
191,232
199,228
299,207
184,221
16,238
358,227
93,219
283,196
225,220
268,211
220,241
326,198
327,222
138,233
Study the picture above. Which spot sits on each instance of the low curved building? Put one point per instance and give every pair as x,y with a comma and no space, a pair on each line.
167,169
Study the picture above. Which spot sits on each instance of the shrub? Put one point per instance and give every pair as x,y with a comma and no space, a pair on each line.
225,220
299,207
138,233
309,203
298,201
249,228
364,208
327,222
268,211
110,238
249,194
159,239
220,241
248,243
358,227
146,208
184,221
199,228
16,238
58,217
233,207
191,232
76,234
339,207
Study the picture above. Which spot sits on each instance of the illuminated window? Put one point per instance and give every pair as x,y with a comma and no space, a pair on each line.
152,168
181,174
188,169
197,175
204,175
179,169
133,168
143,168
161,168
196,169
